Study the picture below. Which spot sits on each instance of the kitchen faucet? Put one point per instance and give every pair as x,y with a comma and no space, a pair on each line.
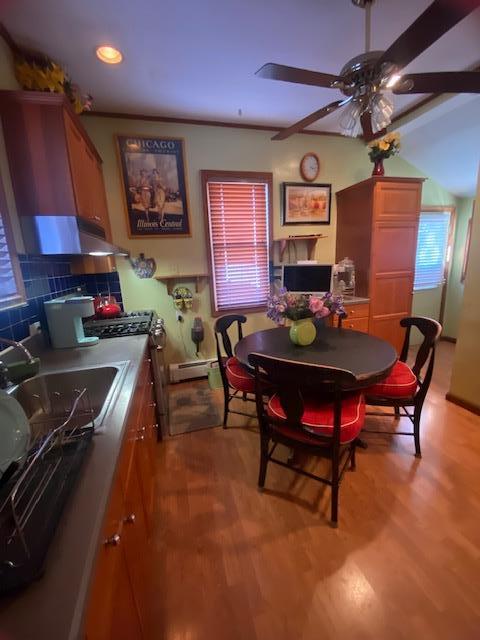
4,379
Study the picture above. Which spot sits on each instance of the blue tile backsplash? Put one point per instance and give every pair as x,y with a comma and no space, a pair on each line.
47,277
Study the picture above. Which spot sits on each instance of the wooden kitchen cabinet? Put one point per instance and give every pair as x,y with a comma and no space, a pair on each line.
136,547
54,166
118,605
377,227
147,442
78,167
357,324
87,176
112,610
357,317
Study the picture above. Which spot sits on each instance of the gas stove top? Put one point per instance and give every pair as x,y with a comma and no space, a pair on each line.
127,324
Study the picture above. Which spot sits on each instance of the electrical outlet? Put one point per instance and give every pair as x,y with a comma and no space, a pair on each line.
179,316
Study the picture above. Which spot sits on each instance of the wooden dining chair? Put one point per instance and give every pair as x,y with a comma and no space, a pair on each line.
311,411
237,381
405,386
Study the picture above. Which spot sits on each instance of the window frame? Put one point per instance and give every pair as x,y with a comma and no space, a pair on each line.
466,248
20,299
208,175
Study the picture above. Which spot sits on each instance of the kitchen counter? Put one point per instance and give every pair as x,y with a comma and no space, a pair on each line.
53,607
355,300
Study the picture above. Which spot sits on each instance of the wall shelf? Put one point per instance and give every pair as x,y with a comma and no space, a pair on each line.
171,280
311,241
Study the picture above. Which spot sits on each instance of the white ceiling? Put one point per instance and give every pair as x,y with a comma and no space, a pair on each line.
445,143
197,58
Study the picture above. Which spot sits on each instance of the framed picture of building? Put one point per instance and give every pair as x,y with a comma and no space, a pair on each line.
154,185
306,203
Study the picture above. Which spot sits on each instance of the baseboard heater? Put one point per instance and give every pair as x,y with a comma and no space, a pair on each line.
188,370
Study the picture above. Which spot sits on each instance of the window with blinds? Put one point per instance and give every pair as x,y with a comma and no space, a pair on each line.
432,247
237,209
11,285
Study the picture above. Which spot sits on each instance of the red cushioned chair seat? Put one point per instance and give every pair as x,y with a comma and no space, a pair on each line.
318,417
401,383
238,377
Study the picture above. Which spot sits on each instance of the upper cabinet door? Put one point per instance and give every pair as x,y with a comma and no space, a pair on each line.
99,204
87,177
395,200
37,153
54,166
80,168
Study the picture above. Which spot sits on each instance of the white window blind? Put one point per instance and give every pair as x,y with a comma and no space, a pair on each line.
239,245
432,246
11,288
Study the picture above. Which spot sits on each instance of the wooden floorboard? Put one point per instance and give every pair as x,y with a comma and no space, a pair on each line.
231,563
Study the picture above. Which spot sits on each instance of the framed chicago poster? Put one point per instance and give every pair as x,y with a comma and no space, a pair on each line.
155,186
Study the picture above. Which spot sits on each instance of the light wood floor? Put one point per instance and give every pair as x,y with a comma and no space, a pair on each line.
231,563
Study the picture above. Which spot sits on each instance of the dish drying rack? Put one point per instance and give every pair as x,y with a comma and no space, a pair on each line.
32,500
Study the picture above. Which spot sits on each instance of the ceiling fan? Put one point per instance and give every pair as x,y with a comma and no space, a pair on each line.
366,79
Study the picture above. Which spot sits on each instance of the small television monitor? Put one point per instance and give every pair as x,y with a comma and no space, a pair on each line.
307,278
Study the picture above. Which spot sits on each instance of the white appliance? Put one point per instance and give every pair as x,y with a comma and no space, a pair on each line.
188,370
64,318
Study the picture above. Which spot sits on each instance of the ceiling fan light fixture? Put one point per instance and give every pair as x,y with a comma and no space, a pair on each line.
392,81
381,108
350,119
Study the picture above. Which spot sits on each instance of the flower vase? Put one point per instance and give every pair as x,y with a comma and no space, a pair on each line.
378,169
303,332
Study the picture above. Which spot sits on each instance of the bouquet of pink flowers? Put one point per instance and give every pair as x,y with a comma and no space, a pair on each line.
296,306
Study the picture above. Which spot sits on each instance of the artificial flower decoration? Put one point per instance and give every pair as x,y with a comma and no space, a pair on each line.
385,147
300,306
36,71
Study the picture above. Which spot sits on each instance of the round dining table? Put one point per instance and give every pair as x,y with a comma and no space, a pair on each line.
369,358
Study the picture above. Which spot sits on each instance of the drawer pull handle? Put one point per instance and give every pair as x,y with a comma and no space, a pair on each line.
112,541
97,218
152,404
140,438
130,519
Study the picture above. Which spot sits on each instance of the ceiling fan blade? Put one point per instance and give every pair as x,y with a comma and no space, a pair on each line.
442,82
273,71
313,117
436,20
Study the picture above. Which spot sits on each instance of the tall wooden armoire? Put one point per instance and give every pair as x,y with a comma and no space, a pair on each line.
377,226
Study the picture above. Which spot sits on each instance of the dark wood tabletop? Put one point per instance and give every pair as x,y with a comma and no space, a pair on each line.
370,359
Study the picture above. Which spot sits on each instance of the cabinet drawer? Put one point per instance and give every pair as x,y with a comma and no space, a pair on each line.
359,324
357,310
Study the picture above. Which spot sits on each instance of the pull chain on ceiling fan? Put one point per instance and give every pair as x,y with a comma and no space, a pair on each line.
367,79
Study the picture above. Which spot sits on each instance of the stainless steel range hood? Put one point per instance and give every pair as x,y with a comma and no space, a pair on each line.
66,235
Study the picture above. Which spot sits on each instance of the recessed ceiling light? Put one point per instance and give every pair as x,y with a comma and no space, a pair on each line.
108,54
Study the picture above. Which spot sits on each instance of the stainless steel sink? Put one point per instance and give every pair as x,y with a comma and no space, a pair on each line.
53,394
